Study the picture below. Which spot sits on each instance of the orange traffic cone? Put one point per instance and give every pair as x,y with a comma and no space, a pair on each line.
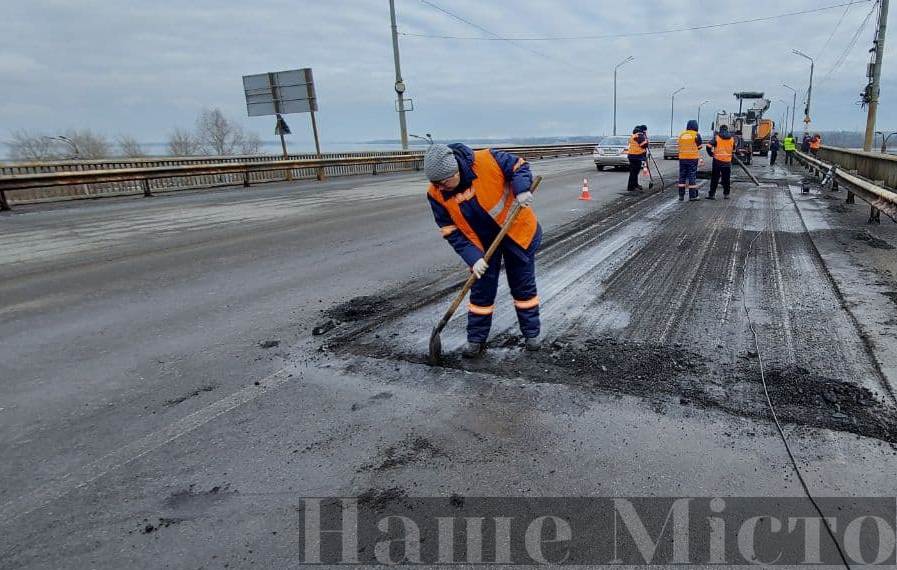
585,190
645,169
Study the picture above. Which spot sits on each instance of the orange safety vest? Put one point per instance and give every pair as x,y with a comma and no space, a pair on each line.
494,195
634,146
816,143
722,149
688,147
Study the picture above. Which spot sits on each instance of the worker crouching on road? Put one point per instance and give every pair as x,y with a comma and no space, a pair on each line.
721,148
637,152
471,194
788,144
690,144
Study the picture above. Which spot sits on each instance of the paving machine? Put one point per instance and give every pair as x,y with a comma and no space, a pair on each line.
752,132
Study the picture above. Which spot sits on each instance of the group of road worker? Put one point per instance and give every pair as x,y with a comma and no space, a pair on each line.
472,193
722,147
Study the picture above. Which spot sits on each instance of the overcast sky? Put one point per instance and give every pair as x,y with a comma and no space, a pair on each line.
143,67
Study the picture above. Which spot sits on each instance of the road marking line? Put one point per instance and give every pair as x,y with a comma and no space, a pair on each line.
122,456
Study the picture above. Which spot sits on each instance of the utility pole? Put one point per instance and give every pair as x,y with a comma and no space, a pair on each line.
870,96
809,89
673,107
619,65
400,85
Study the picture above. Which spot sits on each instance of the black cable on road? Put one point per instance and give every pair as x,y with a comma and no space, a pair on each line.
769,403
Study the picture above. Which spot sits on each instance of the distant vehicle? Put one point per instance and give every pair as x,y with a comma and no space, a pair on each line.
671,149
611,151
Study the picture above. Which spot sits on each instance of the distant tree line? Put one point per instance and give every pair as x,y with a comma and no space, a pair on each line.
213,134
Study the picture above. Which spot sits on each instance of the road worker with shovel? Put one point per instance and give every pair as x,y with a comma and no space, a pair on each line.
471,194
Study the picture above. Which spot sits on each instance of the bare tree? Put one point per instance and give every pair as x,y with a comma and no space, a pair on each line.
87,144
182,142
29,146
251,143
217,135
129,147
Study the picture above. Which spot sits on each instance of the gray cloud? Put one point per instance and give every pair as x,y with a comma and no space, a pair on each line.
145,67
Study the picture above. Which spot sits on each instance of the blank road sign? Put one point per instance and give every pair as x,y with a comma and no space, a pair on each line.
281,92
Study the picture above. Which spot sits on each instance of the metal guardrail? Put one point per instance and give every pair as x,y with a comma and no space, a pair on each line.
869,165
879,198
91,179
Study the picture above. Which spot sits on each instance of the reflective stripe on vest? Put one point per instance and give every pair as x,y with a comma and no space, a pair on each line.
494,195
634,146
688,146
722,149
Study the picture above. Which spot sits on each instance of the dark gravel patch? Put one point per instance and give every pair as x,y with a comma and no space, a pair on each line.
380,499
191,497
360,308
410,450
871,240
670,374
185,397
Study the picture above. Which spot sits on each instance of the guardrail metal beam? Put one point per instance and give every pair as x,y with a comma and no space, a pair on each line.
879,198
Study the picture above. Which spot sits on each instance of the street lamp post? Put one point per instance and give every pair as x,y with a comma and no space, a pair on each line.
809,88
673,107
619,65
704,102
785,120
884,140
793,104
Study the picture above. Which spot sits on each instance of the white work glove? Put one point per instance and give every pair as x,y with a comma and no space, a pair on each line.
479,268
525,198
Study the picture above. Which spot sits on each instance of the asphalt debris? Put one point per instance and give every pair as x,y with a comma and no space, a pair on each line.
359,308
191,497
663,374
871,240
185,397
412,449
324,328
272,343
380,499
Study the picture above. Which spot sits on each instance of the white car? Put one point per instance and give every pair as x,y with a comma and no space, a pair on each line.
611,151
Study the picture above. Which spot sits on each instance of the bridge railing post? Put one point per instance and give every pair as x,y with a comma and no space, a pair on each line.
4,205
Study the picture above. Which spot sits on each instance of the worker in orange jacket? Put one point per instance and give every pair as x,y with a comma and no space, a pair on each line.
637,153
721,148
690,144
471,194
815,144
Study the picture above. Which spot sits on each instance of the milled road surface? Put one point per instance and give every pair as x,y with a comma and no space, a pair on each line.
164,401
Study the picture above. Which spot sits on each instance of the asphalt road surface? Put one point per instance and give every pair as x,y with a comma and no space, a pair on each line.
165,400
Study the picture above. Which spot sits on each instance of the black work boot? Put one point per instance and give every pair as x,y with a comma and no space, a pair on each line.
473,349
533,343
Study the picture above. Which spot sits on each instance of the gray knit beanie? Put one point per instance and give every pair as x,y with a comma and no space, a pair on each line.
439,162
